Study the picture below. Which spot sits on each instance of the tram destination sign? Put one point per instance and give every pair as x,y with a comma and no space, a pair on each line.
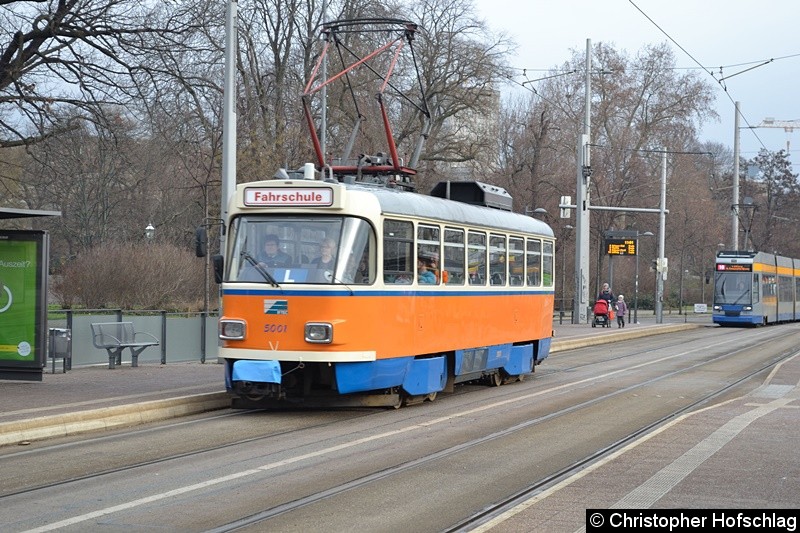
620,246
734,267
288,196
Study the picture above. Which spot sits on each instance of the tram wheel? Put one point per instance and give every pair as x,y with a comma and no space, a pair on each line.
495,379
432,396
254,397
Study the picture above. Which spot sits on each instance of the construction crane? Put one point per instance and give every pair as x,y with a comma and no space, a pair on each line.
787,125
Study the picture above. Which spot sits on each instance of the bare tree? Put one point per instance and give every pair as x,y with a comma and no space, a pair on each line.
775,193
463,66
65,59
641,105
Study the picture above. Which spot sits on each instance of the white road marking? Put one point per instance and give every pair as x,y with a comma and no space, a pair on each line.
270,466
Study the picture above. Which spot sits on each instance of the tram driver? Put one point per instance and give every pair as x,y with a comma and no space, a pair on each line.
273,256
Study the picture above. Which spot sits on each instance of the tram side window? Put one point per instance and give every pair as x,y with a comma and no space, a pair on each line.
516,261
497,259
534,265
398,251
797,289
756,295
548,270
785,289
476,257
428,254
453,273
769,288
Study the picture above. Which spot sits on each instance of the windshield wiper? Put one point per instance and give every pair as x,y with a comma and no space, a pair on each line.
260,269
746,293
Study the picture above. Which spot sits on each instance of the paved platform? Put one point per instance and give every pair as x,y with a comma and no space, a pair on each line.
720,461
95,397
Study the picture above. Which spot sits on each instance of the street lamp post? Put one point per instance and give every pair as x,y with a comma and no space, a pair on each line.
684,273
568,228
636,279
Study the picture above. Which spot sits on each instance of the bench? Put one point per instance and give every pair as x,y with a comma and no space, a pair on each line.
114,337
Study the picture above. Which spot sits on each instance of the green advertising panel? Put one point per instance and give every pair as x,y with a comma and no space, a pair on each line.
22,300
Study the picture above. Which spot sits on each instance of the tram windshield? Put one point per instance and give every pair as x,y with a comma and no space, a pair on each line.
280,250
732,288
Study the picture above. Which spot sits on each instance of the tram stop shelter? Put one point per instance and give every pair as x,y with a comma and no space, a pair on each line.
24,260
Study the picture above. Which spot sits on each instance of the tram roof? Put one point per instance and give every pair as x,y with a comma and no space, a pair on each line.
393,201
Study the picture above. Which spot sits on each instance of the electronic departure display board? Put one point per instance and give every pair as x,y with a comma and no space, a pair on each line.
734,267
620,246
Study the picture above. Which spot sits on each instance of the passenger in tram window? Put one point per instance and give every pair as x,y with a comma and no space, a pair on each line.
475,278
362,273
424,271
326,257
433,266
326,261
273,256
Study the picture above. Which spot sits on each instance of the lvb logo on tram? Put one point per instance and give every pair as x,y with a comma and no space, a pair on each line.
276,307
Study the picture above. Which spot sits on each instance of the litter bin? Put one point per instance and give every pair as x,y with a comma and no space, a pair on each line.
61,348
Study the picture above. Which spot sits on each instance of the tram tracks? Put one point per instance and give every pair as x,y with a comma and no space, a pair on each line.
161,460
684,339
537,390
497,509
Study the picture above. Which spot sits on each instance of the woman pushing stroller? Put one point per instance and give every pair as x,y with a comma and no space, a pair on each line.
603,307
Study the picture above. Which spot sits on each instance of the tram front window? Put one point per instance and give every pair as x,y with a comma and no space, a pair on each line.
285,250
732,288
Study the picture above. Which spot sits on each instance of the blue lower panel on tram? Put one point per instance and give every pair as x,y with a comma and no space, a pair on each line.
544,349
479,359
736,318
521,360
416,376
256,371
425,376
744,320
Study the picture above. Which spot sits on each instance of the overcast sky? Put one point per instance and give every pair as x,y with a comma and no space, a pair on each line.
734,34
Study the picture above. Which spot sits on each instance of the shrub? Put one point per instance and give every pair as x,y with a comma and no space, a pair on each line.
132,276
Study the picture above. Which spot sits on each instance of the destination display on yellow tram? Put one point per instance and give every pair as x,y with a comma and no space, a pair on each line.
734,267
620,246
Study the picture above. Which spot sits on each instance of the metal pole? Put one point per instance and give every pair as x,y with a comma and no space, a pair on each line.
228,119
323,128
567,229
735,202
661,269
636,286
611,272
580,307
563,282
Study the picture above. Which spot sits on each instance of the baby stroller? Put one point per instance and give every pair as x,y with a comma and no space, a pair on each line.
603,314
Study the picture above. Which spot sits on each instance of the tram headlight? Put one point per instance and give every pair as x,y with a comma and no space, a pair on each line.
717,308
747,308
232,329
319,332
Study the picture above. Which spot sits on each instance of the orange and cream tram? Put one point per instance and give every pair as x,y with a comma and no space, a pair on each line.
377,296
